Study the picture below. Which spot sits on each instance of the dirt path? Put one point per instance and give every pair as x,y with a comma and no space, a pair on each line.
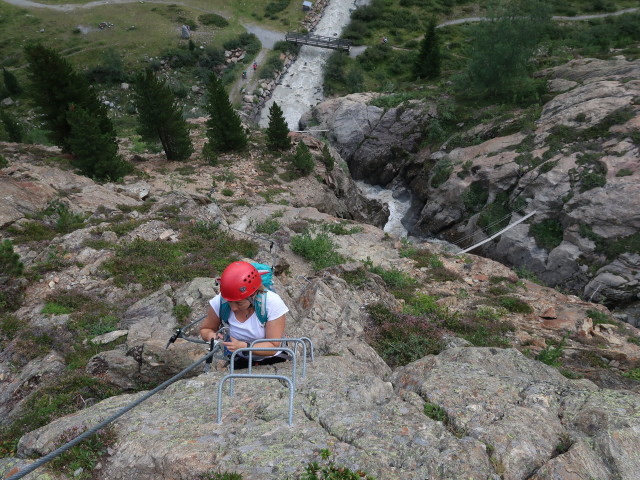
246,86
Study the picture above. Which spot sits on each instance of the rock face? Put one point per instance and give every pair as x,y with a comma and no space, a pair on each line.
578,170
501,415
374,142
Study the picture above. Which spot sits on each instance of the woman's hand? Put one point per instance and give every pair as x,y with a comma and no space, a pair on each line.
234,344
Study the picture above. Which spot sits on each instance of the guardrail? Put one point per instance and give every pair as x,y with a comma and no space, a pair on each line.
318,41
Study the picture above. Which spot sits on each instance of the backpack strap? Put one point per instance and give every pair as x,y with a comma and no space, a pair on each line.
225,311
259,304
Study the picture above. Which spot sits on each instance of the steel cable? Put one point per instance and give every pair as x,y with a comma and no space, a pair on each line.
50,456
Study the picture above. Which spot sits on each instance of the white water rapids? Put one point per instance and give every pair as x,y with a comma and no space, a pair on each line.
301,88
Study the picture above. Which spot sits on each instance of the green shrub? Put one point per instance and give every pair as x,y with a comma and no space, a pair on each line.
52,308
273,65
13,130
4,163
319,249
213,19
327,159
400,339
599,317
435,412
395,279
64,397
592,180
341,229
356,278
514,305
548,234
475,197
551,354
84,456
182,312
204,250
302,160
441,172
330,471
269,226
633,374
10,263
624,172
275,7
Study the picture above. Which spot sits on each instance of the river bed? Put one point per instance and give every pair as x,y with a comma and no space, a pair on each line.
301,87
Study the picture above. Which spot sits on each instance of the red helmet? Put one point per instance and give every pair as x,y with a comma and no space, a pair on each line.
239,281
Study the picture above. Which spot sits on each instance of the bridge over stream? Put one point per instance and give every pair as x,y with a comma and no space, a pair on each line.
318,41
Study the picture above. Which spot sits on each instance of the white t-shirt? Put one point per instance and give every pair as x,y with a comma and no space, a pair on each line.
251,329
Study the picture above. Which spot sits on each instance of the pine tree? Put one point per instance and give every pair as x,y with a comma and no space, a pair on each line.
303,160
11,82
54,87
95,152
10,263
278,130
160,116
427,63
12,128
224,129
327,159
502,47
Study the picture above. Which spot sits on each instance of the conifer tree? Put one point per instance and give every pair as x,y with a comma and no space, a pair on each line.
303,160
95,152
160,116
10,264
427,63
55,86
224,129
11,82
278,130
11,127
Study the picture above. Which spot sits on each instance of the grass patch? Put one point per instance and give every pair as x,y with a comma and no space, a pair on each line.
514,305
53,401
204,250
599,317
341,228
52,308
84,456
271,193
435,412
355,278
398,282
552,353
548,234
317,248
611,247
401,339
633,374
268,227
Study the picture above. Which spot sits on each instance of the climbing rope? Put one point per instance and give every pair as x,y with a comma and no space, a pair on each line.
215,346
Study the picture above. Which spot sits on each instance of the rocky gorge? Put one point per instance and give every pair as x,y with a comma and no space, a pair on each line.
575,165
502,413
463,411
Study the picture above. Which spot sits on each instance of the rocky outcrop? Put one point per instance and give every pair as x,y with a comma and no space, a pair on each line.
500,414
577,170
375,142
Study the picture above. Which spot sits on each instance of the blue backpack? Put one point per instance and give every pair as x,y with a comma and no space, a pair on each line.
260,302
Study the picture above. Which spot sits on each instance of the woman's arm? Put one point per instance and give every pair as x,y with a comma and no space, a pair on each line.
210,325
273,329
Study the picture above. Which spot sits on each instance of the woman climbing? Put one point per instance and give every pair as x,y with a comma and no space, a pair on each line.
252,313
